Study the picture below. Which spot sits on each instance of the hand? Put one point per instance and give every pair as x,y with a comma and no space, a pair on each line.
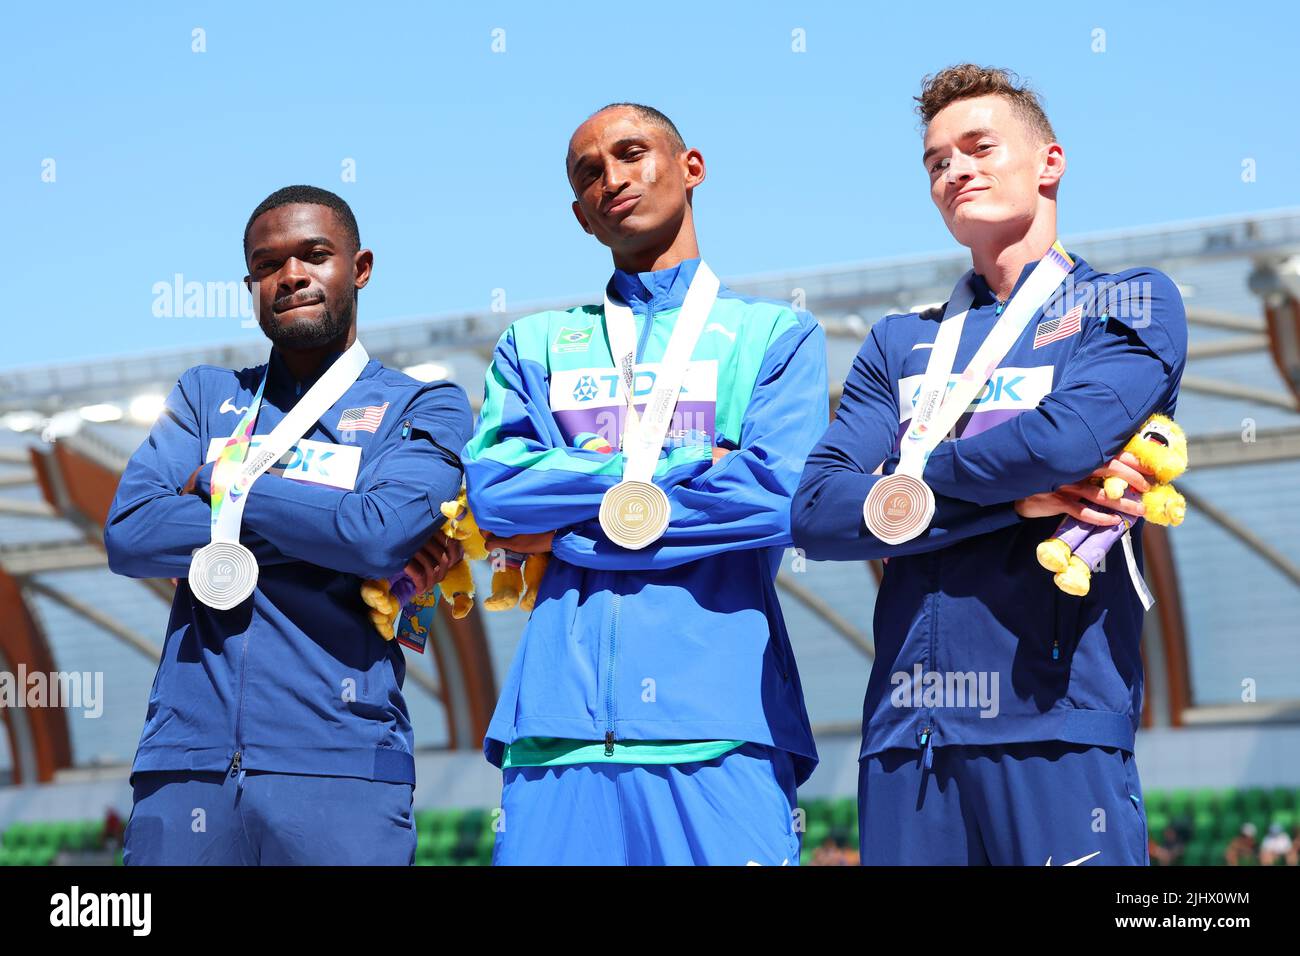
1127,467
430,564
720,453
188,487
1074,499
536,543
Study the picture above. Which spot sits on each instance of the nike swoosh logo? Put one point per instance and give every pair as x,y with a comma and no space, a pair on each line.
716,327
228,406
1082,859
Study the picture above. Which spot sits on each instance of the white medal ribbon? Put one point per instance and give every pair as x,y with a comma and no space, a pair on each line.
223,573
938,408
1139,584
900,506
643,436
634,513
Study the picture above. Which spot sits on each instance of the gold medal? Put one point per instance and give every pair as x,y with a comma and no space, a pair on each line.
634,514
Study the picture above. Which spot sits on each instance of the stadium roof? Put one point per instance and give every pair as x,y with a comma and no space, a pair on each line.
1236,555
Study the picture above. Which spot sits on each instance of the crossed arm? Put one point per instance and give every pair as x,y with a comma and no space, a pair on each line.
1034,465
161,512
523,481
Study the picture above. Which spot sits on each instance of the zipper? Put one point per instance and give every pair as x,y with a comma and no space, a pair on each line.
406,428
236,765
609,675
618,598
927,731
237,769
645,330
1057,612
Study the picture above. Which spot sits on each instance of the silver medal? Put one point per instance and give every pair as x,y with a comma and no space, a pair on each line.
223,574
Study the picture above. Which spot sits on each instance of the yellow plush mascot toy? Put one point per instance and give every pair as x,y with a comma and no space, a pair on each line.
1078,547
514,580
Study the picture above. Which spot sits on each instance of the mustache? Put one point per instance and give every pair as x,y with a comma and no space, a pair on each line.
296,299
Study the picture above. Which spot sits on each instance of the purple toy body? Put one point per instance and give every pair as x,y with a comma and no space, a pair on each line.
1090,542
511,559
402,588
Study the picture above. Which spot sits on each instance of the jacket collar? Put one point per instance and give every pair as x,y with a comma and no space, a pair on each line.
653,291
280,381
984,296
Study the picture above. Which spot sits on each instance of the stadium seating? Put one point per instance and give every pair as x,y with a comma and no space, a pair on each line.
41,843
454,838
1207,818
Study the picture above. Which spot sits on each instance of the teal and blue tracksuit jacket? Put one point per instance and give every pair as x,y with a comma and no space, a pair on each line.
683,640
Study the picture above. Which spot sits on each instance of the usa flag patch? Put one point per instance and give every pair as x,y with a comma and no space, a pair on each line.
362,419
1053,330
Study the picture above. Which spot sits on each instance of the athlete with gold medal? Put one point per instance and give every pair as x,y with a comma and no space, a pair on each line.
652,713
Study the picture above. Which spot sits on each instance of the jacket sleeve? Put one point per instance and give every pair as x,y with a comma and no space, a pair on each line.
827,511
152,529
520,474
742,501
1128,366
373,530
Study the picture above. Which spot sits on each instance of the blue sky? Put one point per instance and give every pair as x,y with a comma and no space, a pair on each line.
160,152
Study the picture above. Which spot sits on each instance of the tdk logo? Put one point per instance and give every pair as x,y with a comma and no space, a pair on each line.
1006,389
994,389
998,386
308,462
588,387
592,388
318,462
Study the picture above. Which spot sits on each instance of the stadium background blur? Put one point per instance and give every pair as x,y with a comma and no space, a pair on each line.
143,207
1220,746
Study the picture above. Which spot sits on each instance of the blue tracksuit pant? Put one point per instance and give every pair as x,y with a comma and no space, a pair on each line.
189,818
1006,805
734,810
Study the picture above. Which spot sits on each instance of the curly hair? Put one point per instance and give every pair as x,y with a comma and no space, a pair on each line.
967,80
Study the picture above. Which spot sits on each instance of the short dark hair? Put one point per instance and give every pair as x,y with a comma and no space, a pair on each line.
312,195
966,80
650,115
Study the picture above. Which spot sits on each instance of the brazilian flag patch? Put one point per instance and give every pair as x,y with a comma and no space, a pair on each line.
572,340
